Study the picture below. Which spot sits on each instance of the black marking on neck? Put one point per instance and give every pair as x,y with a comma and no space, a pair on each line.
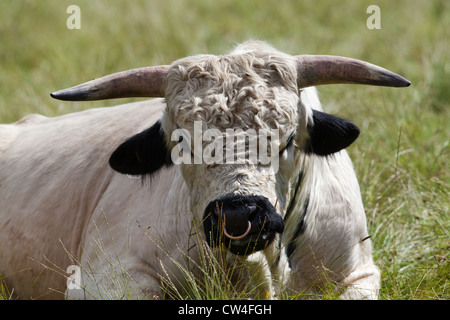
291,205
301,226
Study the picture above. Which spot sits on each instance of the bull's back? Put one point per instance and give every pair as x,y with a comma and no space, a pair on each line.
52,173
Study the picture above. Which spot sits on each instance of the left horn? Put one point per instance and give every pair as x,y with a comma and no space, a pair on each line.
140,82
315,70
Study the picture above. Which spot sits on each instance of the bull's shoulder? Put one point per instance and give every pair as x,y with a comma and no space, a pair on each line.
106,127
32,118
8,133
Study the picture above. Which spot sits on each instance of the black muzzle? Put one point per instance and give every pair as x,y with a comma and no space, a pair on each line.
244,224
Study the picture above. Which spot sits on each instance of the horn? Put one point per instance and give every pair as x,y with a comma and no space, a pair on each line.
315,70
140,82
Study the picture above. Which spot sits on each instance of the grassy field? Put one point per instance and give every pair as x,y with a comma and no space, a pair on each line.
401,157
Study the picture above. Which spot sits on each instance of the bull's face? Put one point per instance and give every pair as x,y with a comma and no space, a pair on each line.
235,127
239,192
232,116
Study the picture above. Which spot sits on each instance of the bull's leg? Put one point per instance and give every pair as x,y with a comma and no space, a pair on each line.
262,270
362,283
259,272
279,269
311,277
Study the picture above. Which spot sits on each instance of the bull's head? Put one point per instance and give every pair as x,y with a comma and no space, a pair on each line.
255,89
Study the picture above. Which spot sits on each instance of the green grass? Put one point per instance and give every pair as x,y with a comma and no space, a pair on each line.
4,291
401,157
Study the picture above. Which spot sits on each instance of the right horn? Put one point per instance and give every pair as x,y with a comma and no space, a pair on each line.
313,70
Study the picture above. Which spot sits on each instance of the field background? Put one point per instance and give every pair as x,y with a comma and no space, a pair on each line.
401,157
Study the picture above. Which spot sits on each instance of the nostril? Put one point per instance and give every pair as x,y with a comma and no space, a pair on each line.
251,209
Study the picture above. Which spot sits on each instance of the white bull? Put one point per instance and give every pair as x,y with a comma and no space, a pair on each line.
296,224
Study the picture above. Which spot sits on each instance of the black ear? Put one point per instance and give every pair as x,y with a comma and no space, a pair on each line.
143,153
329,134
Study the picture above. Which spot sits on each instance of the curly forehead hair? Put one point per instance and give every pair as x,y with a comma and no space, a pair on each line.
253,87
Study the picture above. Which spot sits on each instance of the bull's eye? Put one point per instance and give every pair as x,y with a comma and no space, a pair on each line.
288,144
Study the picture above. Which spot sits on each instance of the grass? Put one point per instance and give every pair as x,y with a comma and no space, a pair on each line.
401,157
4,291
